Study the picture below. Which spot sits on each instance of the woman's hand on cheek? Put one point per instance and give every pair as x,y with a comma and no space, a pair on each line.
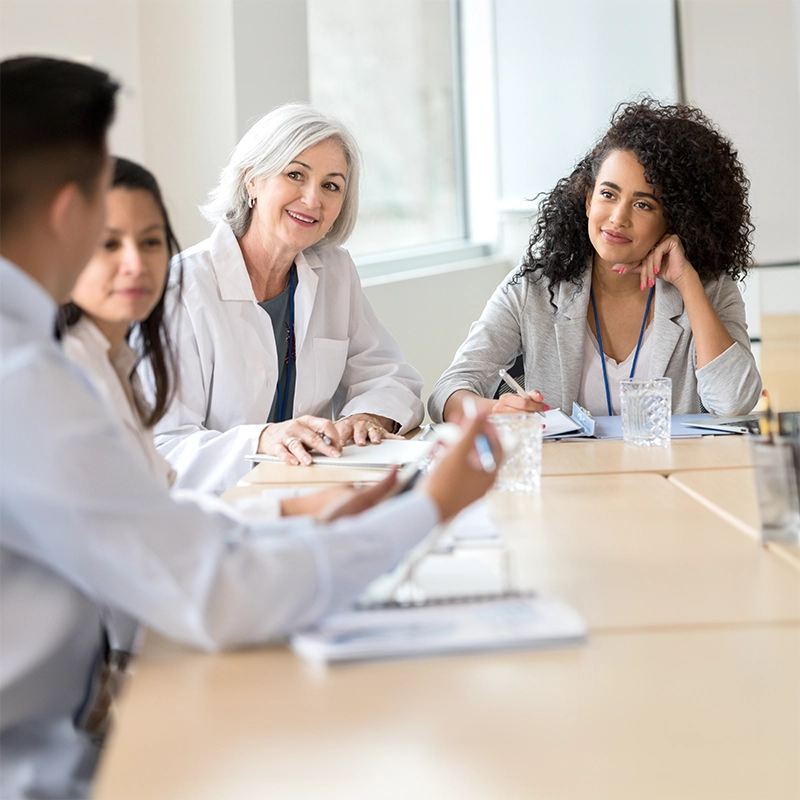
667,260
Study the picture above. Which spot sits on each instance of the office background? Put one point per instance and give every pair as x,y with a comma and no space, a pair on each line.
465,111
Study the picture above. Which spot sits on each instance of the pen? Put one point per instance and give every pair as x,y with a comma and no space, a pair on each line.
485,455
765,420
517,388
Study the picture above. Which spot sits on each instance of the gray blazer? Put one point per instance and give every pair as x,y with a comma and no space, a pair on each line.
520,319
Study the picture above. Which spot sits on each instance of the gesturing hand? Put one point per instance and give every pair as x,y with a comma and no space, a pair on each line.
339,501
458,478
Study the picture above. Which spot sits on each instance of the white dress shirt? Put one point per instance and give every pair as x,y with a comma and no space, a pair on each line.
347,362
84,523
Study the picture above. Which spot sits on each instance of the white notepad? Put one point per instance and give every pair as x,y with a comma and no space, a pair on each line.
511,621
372,456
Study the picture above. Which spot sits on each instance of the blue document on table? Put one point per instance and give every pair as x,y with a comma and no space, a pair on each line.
559,425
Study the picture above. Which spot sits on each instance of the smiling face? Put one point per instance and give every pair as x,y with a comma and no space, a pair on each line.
125,278
297,207
626,218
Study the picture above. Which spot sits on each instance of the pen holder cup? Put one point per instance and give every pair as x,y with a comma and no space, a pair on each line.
646,410
520,436
776,464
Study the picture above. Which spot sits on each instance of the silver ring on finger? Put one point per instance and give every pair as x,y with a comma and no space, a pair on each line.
290,441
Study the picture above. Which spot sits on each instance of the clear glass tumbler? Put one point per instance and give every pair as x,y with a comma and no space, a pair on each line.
775,466
521,438
646,407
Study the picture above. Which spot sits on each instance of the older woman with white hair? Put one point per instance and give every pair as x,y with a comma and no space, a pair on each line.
280,351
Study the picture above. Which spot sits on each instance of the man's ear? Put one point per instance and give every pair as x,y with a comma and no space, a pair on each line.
63,209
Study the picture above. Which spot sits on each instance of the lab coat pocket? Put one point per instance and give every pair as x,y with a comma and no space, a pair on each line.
330,358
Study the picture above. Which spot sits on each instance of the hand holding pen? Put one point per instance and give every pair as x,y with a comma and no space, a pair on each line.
519,402
462,475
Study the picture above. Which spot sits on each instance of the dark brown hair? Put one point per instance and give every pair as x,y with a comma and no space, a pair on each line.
151,335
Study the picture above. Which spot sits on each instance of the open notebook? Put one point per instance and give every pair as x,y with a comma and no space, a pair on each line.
371,456
457,625
559,425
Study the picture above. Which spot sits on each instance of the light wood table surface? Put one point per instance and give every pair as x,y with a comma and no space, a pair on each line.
688,687
731,493
590,457
598,457
649,716
634,551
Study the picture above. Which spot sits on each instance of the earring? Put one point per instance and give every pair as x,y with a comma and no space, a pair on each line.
251,202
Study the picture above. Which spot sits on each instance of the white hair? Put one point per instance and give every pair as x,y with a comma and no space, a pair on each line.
267,148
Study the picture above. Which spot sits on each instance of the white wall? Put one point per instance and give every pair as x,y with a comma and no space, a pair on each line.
105,34
188,102
741,61
562,67
429,311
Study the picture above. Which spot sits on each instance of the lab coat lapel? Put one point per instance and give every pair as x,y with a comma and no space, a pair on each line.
307,263
666,332
229,268
570,324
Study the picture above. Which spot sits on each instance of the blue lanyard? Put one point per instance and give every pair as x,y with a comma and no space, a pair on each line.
600,344
283,399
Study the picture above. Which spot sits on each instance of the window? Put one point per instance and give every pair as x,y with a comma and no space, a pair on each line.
388,70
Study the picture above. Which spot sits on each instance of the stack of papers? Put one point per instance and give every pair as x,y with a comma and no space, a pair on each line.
451,626
559,425
371,456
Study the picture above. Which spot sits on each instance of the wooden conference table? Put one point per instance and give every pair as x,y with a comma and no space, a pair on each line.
688,686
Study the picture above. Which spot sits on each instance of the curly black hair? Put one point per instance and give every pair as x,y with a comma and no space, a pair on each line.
693,167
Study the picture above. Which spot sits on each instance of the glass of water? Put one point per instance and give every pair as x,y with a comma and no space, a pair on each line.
646,407
776,472
520,436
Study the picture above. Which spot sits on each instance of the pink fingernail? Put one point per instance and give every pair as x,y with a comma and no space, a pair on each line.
641,286
546,408
650,282
622,271
655,269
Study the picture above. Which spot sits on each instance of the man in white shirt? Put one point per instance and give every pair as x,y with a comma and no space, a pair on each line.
84,524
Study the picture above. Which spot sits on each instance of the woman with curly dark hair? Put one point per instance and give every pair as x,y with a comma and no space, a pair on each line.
631,271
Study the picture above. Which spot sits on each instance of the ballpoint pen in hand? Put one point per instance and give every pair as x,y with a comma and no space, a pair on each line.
517,388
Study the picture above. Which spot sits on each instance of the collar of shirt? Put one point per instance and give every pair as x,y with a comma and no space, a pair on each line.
124,360
23,299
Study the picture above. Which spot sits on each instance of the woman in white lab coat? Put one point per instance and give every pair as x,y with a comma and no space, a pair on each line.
280,351
120,297
121,294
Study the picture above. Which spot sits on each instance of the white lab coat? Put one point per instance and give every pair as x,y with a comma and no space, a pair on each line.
347,362
84,524
86,345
